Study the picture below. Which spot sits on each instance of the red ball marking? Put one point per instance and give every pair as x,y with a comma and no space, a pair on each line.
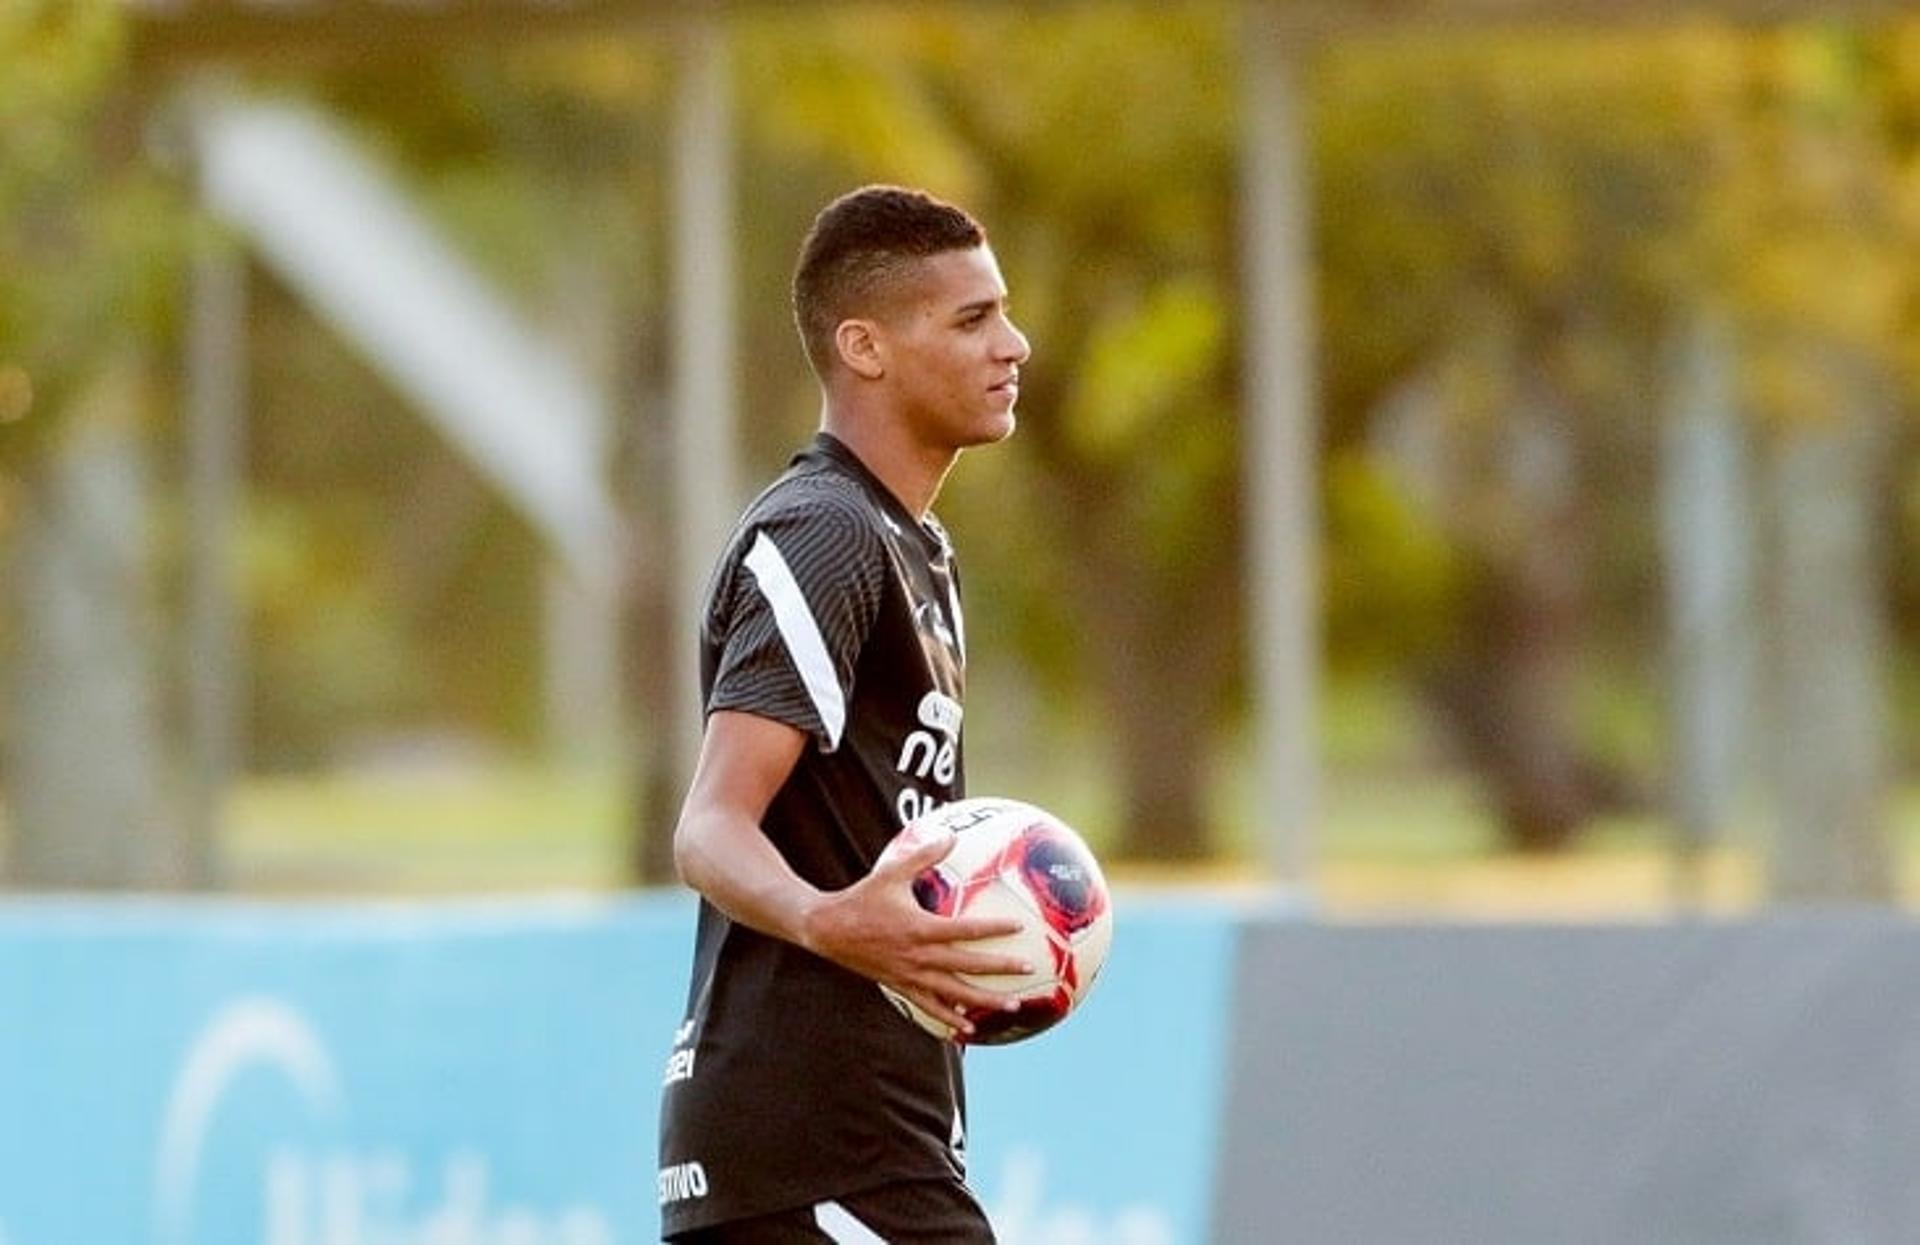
1035,1015
935,892
1066,966
1062,876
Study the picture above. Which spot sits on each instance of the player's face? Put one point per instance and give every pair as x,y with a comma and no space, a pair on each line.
953,354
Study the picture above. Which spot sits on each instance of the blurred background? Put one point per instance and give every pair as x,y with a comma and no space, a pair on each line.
1456,564
1465,466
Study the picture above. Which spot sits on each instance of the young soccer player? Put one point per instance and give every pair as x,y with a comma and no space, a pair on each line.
798,1104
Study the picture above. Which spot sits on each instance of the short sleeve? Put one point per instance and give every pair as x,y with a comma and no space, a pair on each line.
802,601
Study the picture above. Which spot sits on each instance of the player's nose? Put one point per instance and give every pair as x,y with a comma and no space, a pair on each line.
1013,345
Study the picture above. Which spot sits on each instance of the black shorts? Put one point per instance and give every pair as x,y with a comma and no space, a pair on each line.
919,1212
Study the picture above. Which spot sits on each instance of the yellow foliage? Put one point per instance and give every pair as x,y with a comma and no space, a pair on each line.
1141,361
824,86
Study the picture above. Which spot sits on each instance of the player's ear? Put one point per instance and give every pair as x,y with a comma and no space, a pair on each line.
858,342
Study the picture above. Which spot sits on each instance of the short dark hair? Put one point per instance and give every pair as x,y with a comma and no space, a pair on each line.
859,244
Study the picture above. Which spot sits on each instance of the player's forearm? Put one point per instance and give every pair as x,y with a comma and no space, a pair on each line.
733,864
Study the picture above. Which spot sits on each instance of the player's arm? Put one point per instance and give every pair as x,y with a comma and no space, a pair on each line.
873,927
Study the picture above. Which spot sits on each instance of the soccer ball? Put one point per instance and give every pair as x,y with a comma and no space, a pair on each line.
1012,859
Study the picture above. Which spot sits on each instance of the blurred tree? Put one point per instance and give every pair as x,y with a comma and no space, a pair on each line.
76,204
1511,226
87,240
1107,142
1826,291
1515,223
1496,214
1091,536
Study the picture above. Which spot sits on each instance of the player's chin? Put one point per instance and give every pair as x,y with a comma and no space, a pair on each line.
997,426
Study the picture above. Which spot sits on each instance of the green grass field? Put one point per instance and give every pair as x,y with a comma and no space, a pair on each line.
502,828
1399,835
1390,845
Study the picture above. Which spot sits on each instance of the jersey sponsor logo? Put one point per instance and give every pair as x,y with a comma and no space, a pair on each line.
922,756
682,1182
679,1067
926,618
680,1062
914,804
941,712
936,614
931,753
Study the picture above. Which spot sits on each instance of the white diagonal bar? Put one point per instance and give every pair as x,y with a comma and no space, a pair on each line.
805,645
336,228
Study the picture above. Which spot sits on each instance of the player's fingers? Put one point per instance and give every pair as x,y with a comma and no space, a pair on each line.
956,967
971,1000
912,851
972,928
961,1001
986,964
950,1013
969,957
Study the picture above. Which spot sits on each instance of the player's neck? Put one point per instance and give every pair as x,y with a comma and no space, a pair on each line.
910,470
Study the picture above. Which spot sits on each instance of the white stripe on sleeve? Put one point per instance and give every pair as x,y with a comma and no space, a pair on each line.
959,623
842,1228
801,634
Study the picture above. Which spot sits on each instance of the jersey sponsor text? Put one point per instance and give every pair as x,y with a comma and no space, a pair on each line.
680,1182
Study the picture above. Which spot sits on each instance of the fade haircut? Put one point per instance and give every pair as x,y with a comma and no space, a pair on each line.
860,245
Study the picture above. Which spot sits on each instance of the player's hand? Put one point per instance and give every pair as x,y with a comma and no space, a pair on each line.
876,928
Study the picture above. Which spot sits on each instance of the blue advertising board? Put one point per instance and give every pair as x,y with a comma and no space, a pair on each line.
488,1074
1104,1130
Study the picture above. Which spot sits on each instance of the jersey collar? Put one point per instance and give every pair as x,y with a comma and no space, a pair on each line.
828,446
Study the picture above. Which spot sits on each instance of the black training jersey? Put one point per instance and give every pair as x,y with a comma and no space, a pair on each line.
793,1080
